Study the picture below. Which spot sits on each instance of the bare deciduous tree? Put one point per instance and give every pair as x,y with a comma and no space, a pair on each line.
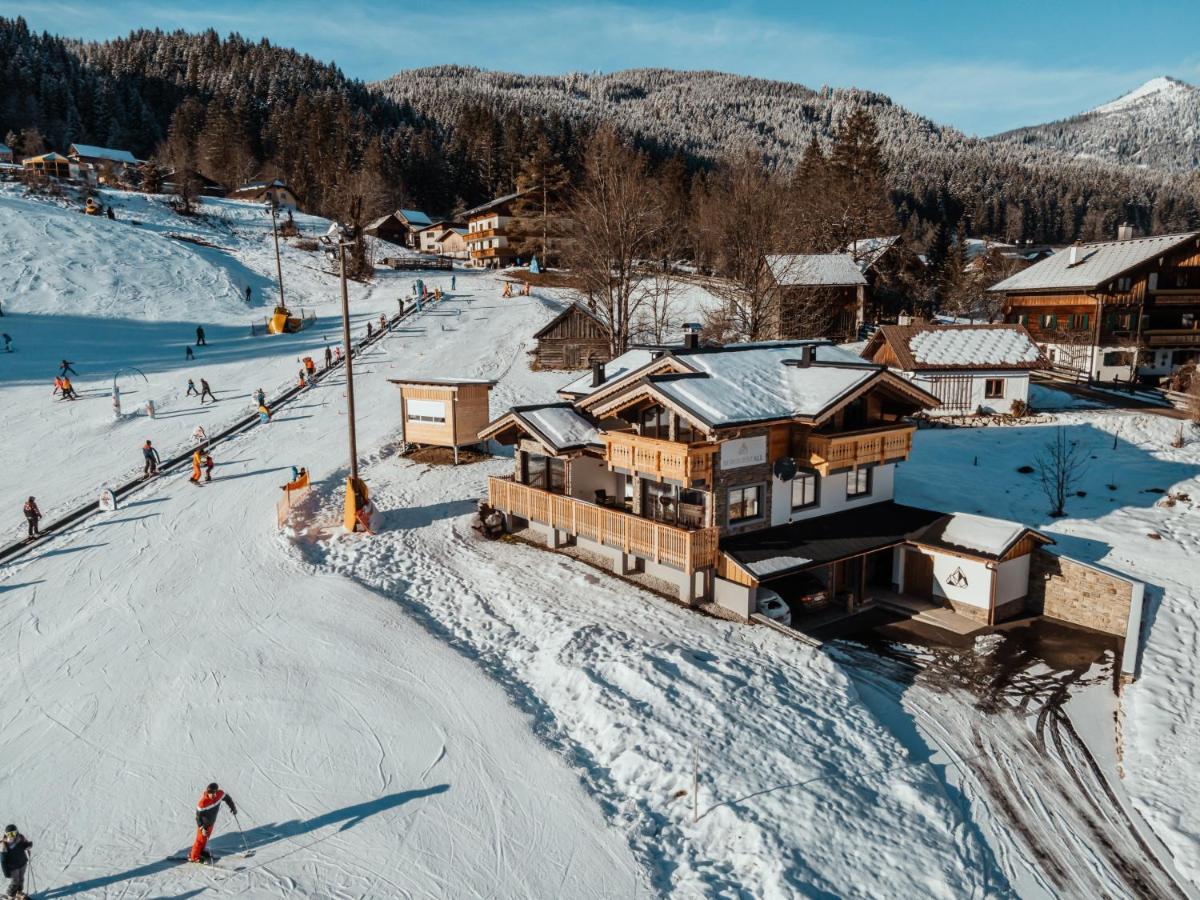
1060,465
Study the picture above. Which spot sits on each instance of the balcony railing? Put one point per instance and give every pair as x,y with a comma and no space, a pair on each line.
675,547
481,234
826,452
660,460
1171,337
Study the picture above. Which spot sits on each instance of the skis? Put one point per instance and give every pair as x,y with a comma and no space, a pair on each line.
205,861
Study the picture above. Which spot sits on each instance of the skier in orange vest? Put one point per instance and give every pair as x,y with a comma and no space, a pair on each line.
206,819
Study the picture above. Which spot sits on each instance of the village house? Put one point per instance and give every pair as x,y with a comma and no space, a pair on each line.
1113,310
489,229
275,192
412,221
817,295
205,185
720,472
452,242
388,228
108,166
6,154
427,237
574,339
969,368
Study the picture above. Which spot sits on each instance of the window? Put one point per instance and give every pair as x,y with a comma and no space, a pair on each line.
1117,358
546,473
858,482
557,471
656,423
1023,319
1049,322
804,490
1124,284
745,503
1079,321
993,389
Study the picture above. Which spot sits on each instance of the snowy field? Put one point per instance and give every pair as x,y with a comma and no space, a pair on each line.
422,713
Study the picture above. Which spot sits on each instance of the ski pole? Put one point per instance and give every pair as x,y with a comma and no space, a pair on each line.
245,846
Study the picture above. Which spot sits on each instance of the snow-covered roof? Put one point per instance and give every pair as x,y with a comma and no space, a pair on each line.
447,382
52,156
815,269
5,149
92,152
374,225
977,535
491,204
414,217
868,251
627,362
976,347
557,425
1095,263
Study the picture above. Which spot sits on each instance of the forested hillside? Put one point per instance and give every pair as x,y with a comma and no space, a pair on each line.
447,137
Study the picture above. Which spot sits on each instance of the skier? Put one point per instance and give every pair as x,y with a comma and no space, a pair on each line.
192,387
152,459
14,857
303,383
65,367
206,391
208,466
32,515
453,279
337,353
206,819
382,322
264,414
368,331
189,354
260,398
7,343
247,295
109,212
328,357
68,390
196,462
200,341
309,366
58,383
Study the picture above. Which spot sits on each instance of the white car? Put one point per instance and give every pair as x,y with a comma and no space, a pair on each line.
771,605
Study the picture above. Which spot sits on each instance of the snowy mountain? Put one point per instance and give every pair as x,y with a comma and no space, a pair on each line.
1156,125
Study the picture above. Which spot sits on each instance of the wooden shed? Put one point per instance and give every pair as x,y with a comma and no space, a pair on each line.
574,339
444,412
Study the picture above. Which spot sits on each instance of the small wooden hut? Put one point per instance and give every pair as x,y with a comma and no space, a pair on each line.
574,339
444,412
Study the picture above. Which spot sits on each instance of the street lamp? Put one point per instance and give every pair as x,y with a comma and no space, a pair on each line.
357,495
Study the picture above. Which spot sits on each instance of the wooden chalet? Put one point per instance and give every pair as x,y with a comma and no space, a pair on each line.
489,230
428,238
969,368
574,339
817,295
389,228
275,192
105,163
53,164
1113,310
443,412
718,471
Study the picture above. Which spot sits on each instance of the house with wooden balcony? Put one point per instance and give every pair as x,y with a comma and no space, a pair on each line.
1113,310
490,231
722,471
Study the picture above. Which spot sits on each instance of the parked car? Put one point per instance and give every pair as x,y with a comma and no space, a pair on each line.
771,605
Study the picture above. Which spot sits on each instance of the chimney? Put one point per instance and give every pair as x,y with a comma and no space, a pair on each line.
1125,232
691,341
808,353
1075,256
597,373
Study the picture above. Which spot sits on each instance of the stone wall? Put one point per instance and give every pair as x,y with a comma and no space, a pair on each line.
724,479
1070,591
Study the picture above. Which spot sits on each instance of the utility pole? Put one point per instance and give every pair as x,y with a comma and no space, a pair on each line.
278,264
356,490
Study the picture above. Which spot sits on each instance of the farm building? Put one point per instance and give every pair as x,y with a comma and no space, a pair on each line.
820,294
969,368
574,339
388,228
443,412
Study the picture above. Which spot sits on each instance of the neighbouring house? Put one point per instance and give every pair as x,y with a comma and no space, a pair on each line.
120,166
427,237
452,242
205,185
817,295
389,228
6,154
489,230
890,267
413,221
722,471
443,412
969,368
1113,310
275,192
574,339
53,164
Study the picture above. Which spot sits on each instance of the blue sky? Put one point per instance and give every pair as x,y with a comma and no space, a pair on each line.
983,67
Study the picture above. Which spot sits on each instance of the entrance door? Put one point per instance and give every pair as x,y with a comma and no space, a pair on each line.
918,574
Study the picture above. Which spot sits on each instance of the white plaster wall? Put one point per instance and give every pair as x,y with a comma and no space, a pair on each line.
589,475
832,495
1012,579
736,598
1016,387
978,591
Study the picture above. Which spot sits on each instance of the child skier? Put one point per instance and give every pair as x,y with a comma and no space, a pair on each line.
208,466
196,463
260,397
32,515
14,857
57,385
152,459
328,357
206,819
68,390
264,414
192,389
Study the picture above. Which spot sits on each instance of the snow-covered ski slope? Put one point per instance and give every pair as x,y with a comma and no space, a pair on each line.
425,714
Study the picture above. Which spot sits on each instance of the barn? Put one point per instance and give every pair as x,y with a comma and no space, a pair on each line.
574,339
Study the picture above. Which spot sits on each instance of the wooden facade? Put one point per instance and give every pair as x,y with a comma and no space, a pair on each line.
574,339
443,412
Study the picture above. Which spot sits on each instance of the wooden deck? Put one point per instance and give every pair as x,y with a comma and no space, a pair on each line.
827,452
676,547
659,460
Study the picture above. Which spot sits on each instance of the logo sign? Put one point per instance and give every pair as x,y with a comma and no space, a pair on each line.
744,452
957,579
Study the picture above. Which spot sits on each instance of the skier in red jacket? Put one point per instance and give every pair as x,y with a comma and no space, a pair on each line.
206,819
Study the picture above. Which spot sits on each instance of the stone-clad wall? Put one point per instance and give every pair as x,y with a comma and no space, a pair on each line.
723,480
1072,592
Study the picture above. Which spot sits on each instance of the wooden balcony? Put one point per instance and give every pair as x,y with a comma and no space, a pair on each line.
687,550
660,460
828,452
482,234
1171,337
